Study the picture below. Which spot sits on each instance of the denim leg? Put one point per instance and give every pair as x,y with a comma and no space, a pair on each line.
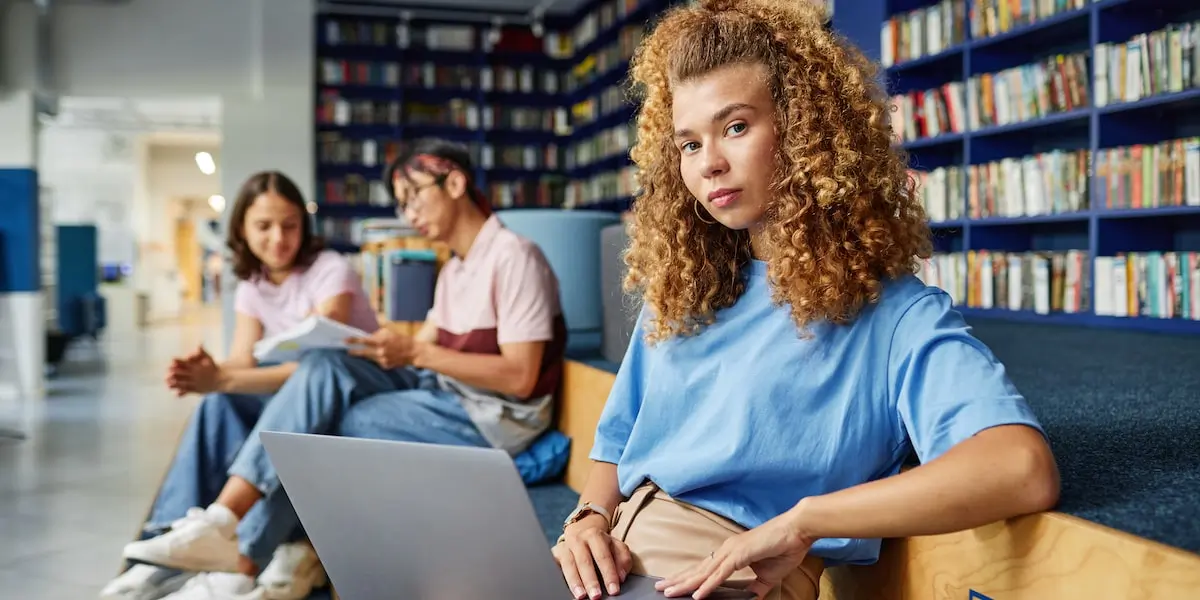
313,400
428,415
217,430
271,522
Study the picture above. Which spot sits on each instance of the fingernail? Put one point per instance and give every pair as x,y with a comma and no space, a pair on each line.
594,592
613,588
578,592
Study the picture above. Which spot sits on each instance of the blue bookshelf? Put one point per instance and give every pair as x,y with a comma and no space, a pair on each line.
545,130
1129,143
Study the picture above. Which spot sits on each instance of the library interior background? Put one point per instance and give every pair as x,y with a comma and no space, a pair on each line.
1056,144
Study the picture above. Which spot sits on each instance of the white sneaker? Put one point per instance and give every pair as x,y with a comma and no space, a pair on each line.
204,540
293,573
144,582
219,586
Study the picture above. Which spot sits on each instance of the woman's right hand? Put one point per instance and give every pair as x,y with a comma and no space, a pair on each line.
587,546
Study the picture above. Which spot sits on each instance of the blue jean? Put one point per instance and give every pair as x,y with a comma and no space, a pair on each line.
217,431
328,394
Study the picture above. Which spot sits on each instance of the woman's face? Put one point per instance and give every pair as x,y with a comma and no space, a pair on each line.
273,230
725,132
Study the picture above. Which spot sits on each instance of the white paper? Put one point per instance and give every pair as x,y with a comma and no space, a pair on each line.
315,332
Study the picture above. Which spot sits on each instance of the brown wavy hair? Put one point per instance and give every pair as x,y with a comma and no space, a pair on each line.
246,265
844,216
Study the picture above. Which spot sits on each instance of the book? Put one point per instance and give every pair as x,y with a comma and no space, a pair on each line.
315,332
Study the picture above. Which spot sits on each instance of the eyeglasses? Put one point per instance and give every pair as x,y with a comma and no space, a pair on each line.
413,200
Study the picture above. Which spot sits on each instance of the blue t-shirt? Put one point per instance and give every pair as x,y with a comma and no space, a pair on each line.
747,418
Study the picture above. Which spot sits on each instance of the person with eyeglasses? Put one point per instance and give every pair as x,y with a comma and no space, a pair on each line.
482,371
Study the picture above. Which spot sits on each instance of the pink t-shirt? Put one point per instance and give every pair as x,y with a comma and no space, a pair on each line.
280,307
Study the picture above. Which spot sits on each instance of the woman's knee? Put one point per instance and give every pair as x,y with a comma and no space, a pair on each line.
216,405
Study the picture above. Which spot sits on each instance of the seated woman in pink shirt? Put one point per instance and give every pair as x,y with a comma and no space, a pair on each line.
284,276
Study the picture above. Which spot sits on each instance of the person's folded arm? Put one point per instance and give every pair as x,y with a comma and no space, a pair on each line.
514,371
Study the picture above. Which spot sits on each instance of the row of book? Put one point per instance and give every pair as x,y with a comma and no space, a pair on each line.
993,17
606,143
602,187
929,113
1162,285
335,150
1042,282
1157,285
465,114
1148,64
941,192
947,271
606,59
602,18
922,32
1149,175
358,72
333,109
1036,281
1055,84
354,190
528,156
611,99
336,229
1039,184
545,192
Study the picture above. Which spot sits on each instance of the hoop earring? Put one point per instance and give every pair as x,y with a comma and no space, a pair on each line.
696,209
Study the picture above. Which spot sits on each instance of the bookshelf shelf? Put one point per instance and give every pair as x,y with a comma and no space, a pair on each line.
945,139
1080,217
1047,125
1049,31
1109,165
941,61
1187,100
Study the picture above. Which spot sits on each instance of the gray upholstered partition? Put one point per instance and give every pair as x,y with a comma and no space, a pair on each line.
620,310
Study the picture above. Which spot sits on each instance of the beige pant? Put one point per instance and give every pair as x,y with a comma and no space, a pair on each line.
666,536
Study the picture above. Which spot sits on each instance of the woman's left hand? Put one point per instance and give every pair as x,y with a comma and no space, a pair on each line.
196,374
772,550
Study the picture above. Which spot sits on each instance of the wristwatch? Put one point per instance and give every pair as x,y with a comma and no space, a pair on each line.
584,510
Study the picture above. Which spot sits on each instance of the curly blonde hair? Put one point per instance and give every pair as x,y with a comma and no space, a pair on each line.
844,215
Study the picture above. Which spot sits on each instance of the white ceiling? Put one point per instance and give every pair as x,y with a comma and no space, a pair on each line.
523,6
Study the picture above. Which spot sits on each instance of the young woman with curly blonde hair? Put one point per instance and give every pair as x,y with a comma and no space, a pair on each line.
786,360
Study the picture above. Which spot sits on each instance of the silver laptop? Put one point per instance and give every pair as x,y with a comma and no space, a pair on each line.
422,522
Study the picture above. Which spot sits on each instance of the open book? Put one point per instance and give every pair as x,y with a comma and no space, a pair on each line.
314,332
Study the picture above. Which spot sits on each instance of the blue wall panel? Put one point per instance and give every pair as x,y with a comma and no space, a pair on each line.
20,238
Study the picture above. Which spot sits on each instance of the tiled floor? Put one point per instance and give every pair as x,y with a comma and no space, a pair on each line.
75,491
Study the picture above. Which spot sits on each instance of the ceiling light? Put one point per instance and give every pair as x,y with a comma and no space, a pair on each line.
217,202
206,163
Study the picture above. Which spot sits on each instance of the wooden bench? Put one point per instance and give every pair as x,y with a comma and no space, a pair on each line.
1035,557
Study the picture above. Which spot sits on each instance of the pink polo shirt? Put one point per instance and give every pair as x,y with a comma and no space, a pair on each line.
502,292
281,307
